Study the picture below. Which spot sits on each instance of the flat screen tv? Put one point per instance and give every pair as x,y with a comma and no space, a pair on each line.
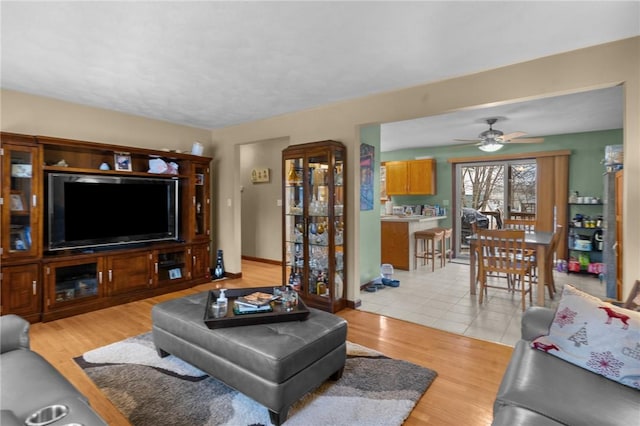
88,211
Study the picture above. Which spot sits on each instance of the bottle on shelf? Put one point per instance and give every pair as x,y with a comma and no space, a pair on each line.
218,271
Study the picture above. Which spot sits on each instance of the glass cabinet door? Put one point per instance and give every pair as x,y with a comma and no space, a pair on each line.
20,202
295,222
338,223
68,282
319,225
201,202
314,225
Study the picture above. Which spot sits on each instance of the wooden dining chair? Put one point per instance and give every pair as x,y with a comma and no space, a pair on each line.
501,253
527,225
520,224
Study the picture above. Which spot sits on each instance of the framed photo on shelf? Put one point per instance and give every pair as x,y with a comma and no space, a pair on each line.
17,201
175,273
122,162
18,240
199,179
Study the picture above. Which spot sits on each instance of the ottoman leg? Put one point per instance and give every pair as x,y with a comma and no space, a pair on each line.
337,375
278,418
161,353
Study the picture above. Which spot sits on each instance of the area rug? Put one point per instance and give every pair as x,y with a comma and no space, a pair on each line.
149,390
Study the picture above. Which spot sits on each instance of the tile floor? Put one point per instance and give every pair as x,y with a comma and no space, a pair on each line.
441,299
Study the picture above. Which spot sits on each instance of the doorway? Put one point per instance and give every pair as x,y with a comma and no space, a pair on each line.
489,192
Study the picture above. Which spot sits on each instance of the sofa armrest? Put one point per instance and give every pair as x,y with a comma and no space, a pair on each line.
536,322
8,418
14,333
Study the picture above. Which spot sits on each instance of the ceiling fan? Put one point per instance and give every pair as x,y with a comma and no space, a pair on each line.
492,140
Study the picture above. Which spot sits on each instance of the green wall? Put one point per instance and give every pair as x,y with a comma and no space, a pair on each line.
369,234
585,176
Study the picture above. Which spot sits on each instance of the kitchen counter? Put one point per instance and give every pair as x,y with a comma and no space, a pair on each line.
398,246
412,218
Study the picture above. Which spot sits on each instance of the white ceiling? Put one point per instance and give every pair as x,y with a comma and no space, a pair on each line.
212,64
580,112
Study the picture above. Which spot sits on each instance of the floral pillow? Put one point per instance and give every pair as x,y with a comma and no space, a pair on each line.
595,335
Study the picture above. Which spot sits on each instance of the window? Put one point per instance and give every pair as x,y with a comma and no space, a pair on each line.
496,190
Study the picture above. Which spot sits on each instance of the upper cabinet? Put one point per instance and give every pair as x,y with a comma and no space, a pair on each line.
413,177
21,197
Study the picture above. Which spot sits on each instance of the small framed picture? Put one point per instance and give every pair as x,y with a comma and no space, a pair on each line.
18,240
175,273
199,179
122,162
259,175
17,201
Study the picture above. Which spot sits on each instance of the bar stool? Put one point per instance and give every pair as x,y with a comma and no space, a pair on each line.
447,248
431,240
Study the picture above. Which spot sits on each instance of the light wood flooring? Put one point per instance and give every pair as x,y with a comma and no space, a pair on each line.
469,370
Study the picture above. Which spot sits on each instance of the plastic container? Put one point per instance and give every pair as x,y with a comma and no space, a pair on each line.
386,270
613,154
222,303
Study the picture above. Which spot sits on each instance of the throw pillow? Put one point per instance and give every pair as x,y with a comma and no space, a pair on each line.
595,335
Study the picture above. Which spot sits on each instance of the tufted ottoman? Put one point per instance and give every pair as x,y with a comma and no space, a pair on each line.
274,364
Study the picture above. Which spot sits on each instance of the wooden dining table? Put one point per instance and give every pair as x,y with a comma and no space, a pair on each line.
537,240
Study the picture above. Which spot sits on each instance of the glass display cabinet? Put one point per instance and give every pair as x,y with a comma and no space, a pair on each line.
314,231
20,202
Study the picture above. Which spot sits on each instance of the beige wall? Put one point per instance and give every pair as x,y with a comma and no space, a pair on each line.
585,69
261,215
37,115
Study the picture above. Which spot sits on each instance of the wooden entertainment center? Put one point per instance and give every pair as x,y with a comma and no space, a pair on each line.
42,285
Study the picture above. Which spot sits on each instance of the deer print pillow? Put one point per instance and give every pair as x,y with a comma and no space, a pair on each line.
595,335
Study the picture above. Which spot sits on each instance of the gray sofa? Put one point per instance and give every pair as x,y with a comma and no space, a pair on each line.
28,383
541,389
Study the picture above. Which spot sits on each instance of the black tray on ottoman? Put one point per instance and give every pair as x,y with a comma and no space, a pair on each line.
279,314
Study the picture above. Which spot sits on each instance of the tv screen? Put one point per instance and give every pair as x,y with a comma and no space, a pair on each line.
92,211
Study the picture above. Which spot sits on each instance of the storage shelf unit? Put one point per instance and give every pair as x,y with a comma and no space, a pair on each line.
584,257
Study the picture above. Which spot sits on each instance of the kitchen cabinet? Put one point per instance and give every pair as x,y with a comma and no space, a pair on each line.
412,177
314,232
397,238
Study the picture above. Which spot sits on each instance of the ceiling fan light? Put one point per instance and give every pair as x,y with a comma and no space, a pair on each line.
490,146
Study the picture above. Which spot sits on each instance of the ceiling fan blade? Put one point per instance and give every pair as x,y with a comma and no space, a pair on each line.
513,135
467,140
526,140
464,145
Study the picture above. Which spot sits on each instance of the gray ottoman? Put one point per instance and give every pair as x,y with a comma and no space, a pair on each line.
274,364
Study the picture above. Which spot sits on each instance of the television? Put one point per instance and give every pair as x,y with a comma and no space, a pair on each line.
92,211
